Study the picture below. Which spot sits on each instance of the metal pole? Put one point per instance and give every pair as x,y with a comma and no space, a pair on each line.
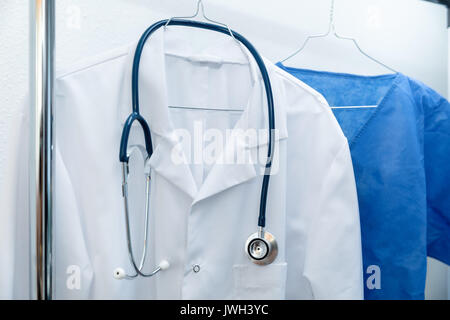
42,16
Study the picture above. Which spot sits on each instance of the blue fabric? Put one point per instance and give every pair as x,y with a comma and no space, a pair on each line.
401,157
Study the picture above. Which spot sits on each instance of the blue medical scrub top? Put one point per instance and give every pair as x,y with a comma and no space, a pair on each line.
401,157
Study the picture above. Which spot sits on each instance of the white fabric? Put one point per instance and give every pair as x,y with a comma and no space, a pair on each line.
14,235
201,214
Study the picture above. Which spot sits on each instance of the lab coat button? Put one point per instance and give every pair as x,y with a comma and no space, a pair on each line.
196,268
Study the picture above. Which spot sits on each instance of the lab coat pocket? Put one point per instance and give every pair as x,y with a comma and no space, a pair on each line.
253,282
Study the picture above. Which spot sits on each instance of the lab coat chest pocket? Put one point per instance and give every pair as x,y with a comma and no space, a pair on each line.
253,282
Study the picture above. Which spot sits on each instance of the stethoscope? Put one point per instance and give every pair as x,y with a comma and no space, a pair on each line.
261,247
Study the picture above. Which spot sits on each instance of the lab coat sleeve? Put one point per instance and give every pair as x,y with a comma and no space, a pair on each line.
333,256
437,171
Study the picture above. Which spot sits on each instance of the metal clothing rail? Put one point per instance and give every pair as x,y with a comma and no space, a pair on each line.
42,36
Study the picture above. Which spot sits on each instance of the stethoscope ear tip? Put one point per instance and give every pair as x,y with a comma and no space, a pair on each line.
119,274
164,265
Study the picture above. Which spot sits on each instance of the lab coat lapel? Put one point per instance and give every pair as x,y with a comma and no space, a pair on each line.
255,117
224,175
238,162
168,159
154,108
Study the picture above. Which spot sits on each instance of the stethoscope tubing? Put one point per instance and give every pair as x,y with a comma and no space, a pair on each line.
135,99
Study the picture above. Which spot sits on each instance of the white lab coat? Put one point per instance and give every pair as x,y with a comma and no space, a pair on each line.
201,214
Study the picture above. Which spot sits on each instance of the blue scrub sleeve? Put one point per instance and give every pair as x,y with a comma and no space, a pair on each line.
437,170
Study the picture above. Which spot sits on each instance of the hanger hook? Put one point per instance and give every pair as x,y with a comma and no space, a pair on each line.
201,7
197,11
332,27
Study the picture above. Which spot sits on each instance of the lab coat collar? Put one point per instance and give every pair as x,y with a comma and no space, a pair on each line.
154,108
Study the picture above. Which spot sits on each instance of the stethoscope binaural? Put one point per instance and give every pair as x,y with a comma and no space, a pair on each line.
261,247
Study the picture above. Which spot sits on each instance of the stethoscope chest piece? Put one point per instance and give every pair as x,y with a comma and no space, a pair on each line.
261,247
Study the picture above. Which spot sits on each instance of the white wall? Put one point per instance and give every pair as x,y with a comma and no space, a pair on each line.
408,35
13,85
